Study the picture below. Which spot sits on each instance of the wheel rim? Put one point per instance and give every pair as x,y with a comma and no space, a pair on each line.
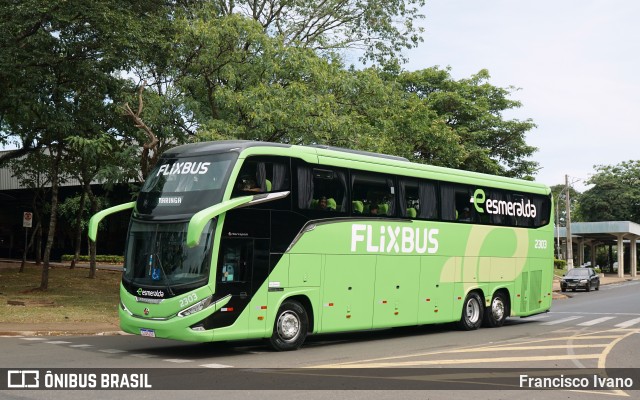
473,311
288,326
497,309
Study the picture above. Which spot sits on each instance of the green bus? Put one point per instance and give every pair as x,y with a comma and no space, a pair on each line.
238,240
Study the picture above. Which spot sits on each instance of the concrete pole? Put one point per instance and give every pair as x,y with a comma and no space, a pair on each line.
569,241
634,257
620,256
592,245
581,251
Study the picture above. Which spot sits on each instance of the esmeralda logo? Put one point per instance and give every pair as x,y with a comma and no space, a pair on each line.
502,207
150,293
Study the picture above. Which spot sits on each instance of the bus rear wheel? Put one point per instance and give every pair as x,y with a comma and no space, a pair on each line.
496,313
290,328
472,311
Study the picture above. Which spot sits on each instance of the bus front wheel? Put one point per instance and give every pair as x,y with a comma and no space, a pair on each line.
472,311
290,327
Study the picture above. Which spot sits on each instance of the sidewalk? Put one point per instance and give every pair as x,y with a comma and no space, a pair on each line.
6,262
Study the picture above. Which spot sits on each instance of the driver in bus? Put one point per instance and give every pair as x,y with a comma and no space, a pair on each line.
248,184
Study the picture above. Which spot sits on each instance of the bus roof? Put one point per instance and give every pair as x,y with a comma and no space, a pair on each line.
342,157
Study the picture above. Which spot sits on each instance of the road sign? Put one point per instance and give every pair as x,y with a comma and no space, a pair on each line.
27,220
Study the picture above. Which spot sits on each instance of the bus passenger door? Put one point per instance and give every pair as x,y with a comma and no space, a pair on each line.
234,274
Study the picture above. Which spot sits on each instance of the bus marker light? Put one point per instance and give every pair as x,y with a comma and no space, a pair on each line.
263,307
428,299
436,310
384,302
395,313
260,318
348,316
518,295
459,298
226,309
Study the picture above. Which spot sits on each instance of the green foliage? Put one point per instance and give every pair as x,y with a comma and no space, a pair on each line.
109,259
615,195
244,84
472,108
380,30
559,264
559,193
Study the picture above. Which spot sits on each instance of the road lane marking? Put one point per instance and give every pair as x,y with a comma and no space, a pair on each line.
177,360
602,360
518,348
464,361
112,351
33,338
57,342
81,346
143,355
628,323
595,321
216,366
560,321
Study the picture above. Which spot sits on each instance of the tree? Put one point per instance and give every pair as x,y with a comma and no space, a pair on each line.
59,72
615,195
473,109
559,193
379,29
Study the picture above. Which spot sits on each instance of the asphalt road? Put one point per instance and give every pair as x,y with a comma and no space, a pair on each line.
588,330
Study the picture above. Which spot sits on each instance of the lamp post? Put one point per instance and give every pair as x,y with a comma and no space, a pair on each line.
568,227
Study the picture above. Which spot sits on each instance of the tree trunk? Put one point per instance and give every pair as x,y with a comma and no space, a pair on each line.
38,249
78,239
44,284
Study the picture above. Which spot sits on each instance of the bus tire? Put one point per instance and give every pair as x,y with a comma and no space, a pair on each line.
472,311
496,313
290,327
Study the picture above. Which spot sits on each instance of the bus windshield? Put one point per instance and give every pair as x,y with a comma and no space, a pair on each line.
157,255
185,185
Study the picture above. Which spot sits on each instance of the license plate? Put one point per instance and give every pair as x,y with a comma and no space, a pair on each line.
148,332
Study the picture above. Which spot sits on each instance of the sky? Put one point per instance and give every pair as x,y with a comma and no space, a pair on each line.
576,64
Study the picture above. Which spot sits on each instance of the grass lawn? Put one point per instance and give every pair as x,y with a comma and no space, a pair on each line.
75,297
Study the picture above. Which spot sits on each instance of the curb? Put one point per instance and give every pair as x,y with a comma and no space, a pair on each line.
59,333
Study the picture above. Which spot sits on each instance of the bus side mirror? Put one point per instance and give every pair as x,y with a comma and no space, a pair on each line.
99,216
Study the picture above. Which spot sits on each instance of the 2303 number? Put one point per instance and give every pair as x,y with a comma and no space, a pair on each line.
541,244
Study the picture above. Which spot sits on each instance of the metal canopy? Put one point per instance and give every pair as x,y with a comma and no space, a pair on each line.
604,231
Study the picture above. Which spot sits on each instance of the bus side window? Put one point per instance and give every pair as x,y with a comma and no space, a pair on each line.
457,203
375,191
417,199
262,175
322,189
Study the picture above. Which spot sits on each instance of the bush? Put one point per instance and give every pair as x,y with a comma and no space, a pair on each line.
559,264
110,259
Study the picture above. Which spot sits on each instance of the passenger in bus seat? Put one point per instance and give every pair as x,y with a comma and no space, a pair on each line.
322,204
374,209
466,215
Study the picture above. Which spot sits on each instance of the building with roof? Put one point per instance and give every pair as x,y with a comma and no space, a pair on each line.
621,234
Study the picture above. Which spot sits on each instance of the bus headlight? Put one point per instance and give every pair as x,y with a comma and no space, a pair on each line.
199,306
